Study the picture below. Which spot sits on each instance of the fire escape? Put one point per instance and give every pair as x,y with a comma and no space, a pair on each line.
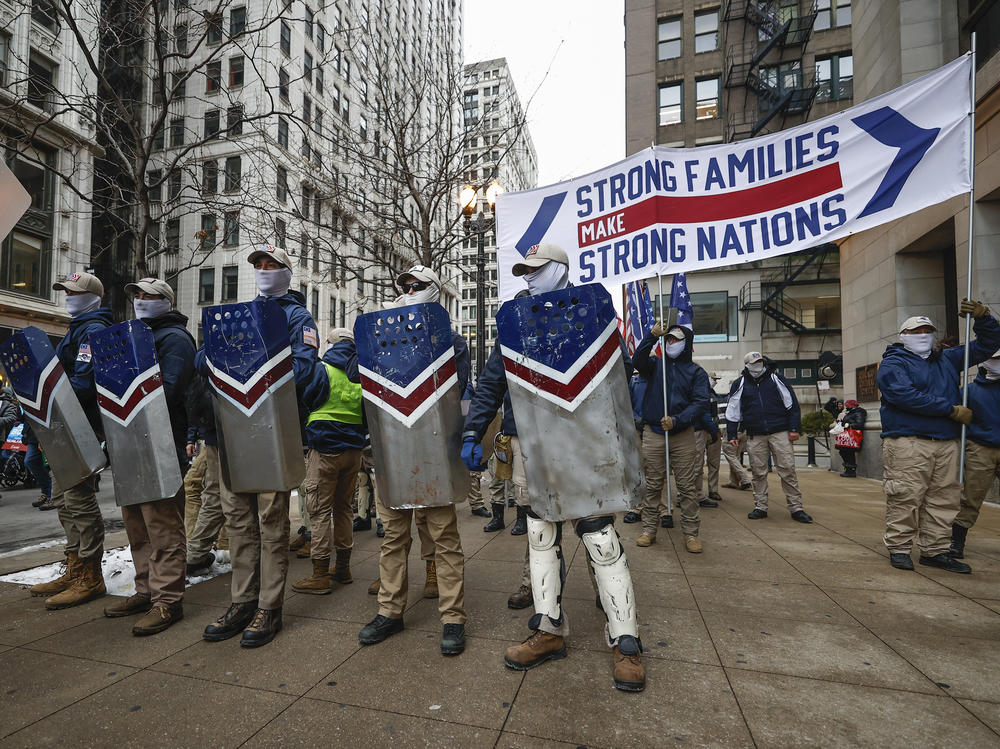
778,34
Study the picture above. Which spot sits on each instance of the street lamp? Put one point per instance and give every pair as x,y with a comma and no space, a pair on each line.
469,200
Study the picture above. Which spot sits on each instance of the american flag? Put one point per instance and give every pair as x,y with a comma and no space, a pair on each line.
680,300
638,315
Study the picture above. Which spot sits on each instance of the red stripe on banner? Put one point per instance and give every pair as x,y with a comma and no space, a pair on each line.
123,411
250,397
413,401
570,390
42,413
663,209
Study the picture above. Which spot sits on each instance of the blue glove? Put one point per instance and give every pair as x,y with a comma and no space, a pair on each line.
472,453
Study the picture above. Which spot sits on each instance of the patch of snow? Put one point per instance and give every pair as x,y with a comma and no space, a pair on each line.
36,547
434,707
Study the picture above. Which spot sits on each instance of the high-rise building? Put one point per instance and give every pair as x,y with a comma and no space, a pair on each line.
499,147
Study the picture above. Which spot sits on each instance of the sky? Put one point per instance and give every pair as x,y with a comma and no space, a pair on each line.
568,58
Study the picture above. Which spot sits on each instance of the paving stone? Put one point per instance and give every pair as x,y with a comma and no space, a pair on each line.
756,564
516,741
839,550
24,618
962,666
987,712
762,598
870,575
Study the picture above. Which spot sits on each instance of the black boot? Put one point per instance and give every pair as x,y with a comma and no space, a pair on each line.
362,524
265,625
496,524
958,534
521,524
234,621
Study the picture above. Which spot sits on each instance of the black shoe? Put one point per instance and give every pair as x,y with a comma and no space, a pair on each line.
901,561
231,623
521,524
667,521
706,502
378,629
849,475
40,501
201,564
715,496
361,524
379,530
265,625
801,516
48,504
958,534
511,502
757,514
482,512
746,487
453,639
632,517
496,524
945,562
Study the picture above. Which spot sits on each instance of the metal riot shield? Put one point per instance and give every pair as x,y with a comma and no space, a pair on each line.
48,400
409,379
256,408
134,411
568,388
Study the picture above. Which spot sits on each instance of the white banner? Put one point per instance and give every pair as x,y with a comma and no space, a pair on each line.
673,210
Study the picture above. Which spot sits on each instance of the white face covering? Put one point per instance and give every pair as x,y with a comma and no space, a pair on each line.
675,349
756,369
918,343
80,303
145,308
431,294
273,282
992,367
549,277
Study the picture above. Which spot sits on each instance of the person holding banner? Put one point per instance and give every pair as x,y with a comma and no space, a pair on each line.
922,419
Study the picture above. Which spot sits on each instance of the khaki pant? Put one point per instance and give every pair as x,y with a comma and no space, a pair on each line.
81,517
366,494
500,489
779,447
710,453
193,483
475,497
156,539
738,475
441,525
329,485
685,464
922,493
982,468
519,481
258,544
210,523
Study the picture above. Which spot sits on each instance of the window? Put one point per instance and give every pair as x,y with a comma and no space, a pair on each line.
668,38
706,31
41,82
304,253
158,138
306,110
834,77
237,21
717,316
177,131
286,39
213,76
153,238
210,177
155,185
347,70
314,304
316,255
234,120
280,233
230,283
832,13
212,123
234,173
671,103
363,127
347,109
782,77
319,80
174,184
318,121
320,38
208,228
179,84
206,285
236,71
282,132
307,68
181,38
173,235
283,84
214,32
281,192
707,95
309,23
343,314
43,12
4,51
231,231
333,312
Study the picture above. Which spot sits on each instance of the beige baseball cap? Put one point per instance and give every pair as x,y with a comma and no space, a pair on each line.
80,282
150,286
915,322
338,334
752,357
675,332
275,252
421,273
538,255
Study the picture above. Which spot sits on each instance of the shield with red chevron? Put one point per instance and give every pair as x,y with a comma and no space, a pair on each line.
562,354
409,380
134,411
256,408
52,408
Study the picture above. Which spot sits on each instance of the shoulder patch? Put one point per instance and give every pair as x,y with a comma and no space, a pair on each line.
310,336
83,354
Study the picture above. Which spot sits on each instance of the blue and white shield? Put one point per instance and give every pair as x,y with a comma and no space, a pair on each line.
135,415
565,372
409,380
256,408
47,399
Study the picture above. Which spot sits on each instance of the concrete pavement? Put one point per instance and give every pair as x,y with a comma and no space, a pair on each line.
779,635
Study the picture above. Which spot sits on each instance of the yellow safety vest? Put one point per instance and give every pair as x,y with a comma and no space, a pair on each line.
344,403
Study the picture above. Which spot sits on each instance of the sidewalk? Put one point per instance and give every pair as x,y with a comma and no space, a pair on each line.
779,635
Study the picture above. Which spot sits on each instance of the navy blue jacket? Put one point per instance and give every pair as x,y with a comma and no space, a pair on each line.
761,406
918,394
687,386
637,392
175,349
984,400
201,411
463,361
330,437
79,366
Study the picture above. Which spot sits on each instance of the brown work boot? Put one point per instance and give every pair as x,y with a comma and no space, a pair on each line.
692,544
88,585
538,648
629,674
342,568
375,586
62,582
521,598
431,586
304,551
298,541
137,603
317,584
159,618
646,539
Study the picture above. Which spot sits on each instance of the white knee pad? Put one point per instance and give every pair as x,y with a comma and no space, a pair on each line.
614,581
546,566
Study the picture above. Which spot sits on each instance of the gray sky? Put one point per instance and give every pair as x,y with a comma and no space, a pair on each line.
577,116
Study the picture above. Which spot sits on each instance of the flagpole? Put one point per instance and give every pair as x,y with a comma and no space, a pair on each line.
968,274
663,366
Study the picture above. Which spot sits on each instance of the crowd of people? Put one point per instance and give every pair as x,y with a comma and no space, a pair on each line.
682,424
